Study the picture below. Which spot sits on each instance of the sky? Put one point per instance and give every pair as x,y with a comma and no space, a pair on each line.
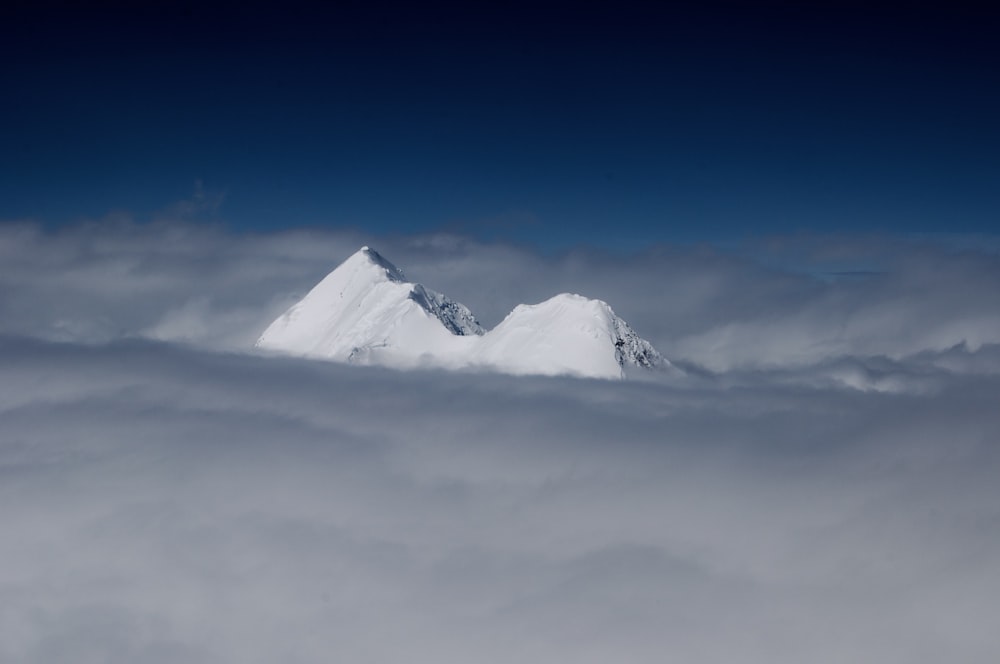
536,123
795,204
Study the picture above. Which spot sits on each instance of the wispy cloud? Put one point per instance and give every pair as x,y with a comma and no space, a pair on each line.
203,203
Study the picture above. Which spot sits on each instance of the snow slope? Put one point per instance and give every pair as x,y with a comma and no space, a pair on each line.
366,312
566,334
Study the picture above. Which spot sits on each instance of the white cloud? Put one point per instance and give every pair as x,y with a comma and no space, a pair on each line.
187,503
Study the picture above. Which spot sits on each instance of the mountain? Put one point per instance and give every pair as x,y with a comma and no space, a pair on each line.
365,312
566,334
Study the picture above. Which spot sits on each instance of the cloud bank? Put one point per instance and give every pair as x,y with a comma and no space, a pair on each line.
819,486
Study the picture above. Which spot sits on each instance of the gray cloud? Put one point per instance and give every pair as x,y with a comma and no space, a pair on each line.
167,504
191,502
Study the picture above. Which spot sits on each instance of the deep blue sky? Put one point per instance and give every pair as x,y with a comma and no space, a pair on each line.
592,124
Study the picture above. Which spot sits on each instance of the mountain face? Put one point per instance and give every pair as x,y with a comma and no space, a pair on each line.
365,312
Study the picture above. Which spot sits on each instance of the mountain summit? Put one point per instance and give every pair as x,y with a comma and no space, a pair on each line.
365,312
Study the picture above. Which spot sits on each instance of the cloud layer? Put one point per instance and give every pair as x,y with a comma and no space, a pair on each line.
779,304
820,485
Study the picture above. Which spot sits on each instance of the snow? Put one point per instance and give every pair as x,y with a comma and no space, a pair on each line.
365,312
566,334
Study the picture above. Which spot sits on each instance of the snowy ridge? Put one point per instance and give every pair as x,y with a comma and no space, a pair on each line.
365,312
631,349
455,316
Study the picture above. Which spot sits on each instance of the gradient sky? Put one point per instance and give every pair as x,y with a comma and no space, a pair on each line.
622,127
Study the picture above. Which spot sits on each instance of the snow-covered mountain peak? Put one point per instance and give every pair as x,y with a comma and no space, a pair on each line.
570,334
564,304
368,261
366,312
